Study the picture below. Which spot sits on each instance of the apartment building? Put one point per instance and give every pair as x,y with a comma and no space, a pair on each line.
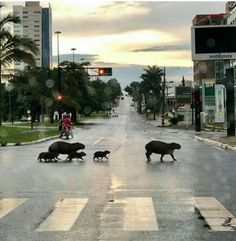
36,23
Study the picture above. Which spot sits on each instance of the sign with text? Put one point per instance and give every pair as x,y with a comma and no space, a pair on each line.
208,94
183,94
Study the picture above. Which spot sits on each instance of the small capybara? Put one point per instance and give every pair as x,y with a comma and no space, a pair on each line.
61,147
162,148
100,154
78,155
47,156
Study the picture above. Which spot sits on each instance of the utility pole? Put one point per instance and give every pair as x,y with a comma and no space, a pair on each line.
58,80
163,97
230,105
198,109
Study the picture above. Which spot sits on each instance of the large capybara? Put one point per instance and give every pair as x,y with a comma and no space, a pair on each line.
61,147
162,148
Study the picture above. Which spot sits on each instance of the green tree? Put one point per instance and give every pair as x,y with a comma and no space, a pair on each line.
13,48
152,87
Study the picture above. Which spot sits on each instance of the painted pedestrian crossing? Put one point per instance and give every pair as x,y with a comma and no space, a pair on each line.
140,214
64,215
215,214
126,214
9,204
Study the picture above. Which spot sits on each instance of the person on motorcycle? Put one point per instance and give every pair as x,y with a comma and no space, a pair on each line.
66,123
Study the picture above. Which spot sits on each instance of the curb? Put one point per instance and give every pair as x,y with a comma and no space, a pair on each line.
32,142
216,143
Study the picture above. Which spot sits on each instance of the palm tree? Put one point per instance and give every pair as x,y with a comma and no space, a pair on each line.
13,48
152,85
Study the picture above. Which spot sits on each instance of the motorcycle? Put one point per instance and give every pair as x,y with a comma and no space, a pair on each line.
67,132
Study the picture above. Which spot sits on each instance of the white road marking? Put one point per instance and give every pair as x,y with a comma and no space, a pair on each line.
213,212
140,214
96,142
115,182
8,204
64,215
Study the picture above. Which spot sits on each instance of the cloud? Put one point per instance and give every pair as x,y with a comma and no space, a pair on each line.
164,48
118,17
108,19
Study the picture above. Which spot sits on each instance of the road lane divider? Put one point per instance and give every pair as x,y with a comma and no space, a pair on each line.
97,141
9,204
214,213
64,215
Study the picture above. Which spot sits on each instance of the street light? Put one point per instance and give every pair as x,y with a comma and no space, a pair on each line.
58,78
73,51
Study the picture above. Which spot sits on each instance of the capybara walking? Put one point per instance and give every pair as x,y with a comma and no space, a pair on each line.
162,148
100,154
47,156
78,155
61,147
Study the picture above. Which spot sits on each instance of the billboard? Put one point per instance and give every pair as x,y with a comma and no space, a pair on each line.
183,95
213,42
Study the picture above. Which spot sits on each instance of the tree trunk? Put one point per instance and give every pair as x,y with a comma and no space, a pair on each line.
0,92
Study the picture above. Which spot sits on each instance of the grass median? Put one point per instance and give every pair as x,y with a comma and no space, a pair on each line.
18,135
21,132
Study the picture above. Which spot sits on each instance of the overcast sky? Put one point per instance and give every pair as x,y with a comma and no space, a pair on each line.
127,33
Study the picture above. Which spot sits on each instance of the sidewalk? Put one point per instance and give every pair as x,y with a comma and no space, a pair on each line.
208,135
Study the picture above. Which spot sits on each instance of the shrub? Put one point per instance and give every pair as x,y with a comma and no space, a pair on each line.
173,120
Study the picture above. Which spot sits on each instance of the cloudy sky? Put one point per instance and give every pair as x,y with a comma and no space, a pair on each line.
128,35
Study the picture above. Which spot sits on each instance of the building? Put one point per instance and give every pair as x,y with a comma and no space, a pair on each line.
210,67
36,23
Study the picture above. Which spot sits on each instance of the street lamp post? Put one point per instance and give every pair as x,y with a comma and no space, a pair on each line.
73,51
58,78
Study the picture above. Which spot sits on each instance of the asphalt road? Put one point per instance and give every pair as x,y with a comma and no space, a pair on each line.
124,198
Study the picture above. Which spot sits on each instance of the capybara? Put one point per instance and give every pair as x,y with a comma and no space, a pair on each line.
162,148
61,147
78,155
47,156
100,155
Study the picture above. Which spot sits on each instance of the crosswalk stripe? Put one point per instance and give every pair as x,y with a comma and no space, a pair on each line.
213,212
64,215
8,204
140,214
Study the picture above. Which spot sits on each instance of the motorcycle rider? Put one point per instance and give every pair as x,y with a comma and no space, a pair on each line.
66,123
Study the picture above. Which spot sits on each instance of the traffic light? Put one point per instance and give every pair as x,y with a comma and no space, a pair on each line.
105,71
59,98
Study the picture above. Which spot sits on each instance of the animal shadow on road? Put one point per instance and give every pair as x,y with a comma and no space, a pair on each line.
160,166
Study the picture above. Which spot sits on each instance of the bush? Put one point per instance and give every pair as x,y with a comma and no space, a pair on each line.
173,120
